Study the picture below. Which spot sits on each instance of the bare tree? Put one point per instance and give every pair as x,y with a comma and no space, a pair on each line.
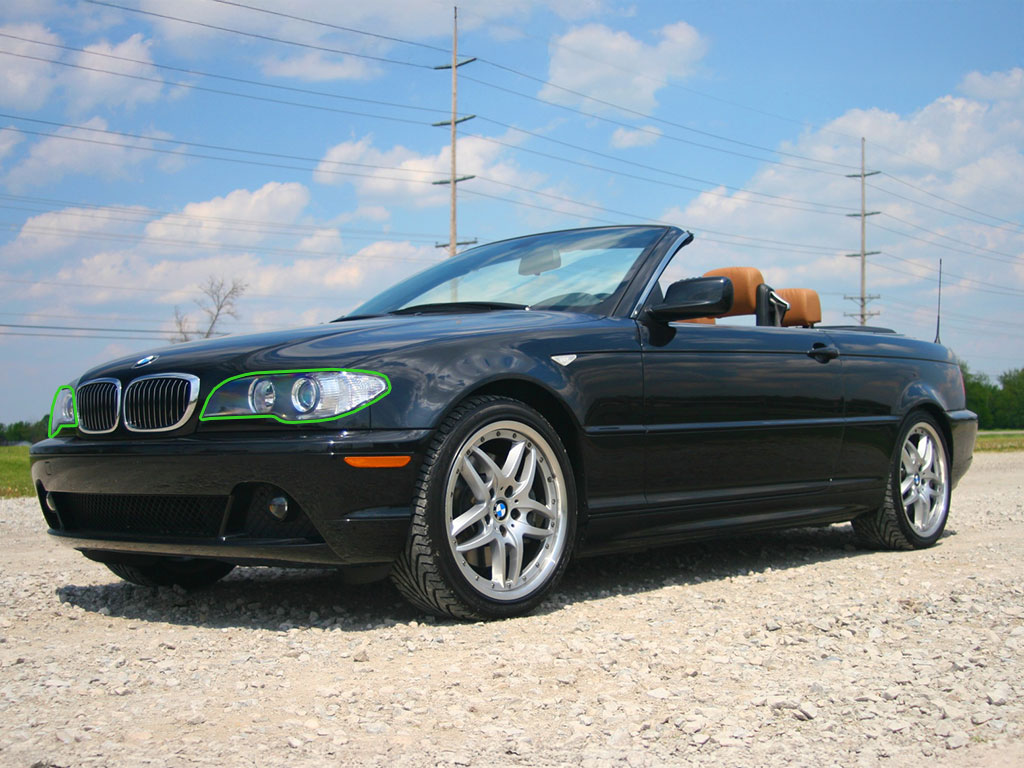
218,301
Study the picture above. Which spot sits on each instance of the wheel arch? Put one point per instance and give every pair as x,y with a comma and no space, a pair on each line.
938,413
557,414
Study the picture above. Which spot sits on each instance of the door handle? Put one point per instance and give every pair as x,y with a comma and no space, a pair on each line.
823,352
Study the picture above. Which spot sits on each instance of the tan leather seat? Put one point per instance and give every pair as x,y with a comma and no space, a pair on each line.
804,307
745,281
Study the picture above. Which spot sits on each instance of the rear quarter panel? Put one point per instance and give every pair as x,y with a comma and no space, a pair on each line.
885,377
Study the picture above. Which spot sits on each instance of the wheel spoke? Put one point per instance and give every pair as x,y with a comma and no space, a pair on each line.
921,510
527,473
531,505
514,547
906,485
477,485
525,529
910,458
489,466
513,460
498,556
471,516
927,450
484,537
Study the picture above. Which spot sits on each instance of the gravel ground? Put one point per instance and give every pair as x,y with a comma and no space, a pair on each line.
788,649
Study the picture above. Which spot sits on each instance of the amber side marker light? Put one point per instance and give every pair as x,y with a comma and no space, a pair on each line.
364,462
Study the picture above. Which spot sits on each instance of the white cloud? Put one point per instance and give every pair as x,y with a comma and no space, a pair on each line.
69,229
84,151
616,67
317,66
27,84
401,177
624,138
87,89
224,218
9,139
994,86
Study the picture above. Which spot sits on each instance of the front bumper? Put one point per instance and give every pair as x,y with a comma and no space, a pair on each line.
206,495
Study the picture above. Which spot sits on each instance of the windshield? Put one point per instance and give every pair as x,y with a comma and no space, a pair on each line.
583,269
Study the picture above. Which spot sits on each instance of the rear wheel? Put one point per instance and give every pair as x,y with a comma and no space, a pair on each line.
494,519
916,504
185,572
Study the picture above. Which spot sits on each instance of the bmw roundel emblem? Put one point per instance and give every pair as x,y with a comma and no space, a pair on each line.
145,361
501,510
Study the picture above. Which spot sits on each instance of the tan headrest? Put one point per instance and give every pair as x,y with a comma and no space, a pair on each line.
804,307
744,288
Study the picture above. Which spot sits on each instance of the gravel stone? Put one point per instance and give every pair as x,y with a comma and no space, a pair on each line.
789,649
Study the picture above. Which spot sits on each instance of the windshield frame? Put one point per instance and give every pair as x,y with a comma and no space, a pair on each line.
399,296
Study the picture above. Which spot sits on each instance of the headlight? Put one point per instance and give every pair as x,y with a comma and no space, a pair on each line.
295,396
63,412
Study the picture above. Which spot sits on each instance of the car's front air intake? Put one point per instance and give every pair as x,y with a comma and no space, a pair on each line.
160,402
98,404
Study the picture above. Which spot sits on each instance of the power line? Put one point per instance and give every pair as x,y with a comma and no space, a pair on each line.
1002,288
77,336
259,36
318,23
219,148
187,71
712,192
641,129
943,211
273,227
947,237
1011,260
218,91
78,328
935,279
540,80
643,115
950,202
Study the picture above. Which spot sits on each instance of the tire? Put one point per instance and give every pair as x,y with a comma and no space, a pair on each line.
490,535
917,492
188,573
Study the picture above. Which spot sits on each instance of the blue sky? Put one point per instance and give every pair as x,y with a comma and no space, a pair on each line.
303,168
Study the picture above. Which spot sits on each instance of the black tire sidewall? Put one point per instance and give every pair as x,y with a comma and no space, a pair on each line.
915,539
469,422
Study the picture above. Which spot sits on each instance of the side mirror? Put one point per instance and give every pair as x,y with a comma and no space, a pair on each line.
696,297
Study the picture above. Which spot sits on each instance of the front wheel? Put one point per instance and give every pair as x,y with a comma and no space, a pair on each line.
917,493
494,519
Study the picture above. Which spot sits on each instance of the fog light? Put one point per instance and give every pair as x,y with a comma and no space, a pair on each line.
51,503
279,507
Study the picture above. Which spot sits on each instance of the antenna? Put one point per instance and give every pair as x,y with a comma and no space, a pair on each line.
938,311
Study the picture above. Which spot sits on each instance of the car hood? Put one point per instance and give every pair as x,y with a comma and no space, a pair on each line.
342,344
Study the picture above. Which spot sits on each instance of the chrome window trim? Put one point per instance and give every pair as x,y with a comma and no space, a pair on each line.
117,406
193,397
682,240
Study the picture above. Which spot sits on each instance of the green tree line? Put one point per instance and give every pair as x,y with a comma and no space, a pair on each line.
999,406
23,431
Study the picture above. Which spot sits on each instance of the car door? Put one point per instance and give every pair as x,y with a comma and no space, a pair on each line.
738,412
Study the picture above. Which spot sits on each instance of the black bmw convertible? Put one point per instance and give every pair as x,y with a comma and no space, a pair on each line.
473,428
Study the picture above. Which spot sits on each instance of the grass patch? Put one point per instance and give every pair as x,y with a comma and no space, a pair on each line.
1000,441
15,478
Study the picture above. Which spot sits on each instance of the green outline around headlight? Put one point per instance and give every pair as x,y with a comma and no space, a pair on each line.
50,431
254,374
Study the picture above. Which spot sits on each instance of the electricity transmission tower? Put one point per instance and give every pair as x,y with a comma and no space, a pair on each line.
864,298
453,179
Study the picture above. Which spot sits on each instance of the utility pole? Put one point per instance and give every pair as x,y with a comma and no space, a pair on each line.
864,298
453,179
